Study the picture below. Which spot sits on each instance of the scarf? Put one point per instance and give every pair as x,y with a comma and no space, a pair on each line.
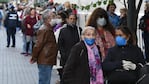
95,65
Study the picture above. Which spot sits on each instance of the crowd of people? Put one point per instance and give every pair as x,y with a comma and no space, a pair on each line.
103,50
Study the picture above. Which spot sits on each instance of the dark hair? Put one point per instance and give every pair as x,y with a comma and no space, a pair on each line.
127,32
31,10
100,12
73,15
63,15
111,4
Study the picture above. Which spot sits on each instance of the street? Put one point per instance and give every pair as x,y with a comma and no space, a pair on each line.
14,67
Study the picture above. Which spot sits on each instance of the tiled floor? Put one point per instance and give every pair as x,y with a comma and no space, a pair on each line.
14,67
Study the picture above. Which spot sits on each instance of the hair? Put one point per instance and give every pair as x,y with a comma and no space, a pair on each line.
63,15
46,14
100,12
128,33
73,15
31,10
111,4
124,9
86,28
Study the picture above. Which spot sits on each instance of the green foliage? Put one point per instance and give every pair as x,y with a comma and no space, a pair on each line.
98,3
105,2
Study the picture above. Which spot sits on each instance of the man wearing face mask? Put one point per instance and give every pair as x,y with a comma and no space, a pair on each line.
68,37
123,61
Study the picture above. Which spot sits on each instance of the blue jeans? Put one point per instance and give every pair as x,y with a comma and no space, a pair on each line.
24,45
44,73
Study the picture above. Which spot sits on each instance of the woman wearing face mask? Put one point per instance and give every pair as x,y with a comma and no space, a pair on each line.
105,30
84,63
123,61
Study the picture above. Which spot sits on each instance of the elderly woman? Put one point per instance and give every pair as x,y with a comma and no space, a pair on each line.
84,63
45,50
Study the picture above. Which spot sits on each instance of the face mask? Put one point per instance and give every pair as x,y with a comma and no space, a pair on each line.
101,21
58,21
89,41
53,22
120,41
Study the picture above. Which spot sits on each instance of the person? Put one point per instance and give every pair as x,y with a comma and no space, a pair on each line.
105,30
45,49
61,16
30,21
123,61
123,17
113,17
11,22
144,26
67,7
68,37
84,63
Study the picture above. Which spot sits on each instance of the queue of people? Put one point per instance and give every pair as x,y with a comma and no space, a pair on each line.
102,50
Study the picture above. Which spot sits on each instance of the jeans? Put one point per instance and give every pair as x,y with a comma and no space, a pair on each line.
44,73
24,45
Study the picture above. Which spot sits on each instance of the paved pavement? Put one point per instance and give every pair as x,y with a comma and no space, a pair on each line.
14,67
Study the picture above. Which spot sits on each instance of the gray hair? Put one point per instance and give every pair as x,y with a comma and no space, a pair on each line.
86,28
45,14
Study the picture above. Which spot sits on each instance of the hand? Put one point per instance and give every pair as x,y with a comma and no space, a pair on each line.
28,26
128,65
32,61
132,66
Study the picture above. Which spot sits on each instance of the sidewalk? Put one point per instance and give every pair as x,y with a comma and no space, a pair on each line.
14,67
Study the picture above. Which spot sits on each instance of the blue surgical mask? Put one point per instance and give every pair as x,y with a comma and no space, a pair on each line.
120,41
89,41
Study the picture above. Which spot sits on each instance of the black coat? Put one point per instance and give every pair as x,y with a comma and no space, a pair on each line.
113,62
68,37
76,70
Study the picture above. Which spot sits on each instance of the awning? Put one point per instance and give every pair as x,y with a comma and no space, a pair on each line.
4,1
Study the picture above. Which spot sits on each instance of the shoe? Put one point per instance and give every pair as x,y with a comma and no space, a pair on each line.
26,54
13,46
23,53
7,46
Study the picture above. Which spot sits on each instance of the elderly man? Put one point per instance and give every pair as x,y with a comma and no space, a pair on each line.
45,49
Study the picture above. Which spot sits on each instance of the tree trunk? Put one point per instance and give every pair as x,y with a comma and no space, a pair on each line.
131,18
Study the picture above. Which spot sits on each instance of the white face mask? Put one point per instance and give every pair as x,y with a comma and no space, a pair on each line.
53,22
101,22
59,21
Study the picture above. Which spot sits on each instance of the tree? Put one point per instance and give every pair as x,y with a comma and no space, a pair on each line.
132,17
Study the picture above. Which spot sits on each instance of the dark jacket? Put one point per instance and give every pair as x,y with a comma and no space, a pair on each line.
68,37
76,70
112,64
144,23
45,50
11,20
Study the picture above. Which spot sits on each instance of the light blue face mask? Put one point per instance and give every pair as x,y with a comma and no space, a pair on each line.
120,41
89,41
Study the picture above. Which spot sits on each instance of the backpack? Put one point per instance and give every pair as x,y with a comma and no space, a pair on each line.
143,75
